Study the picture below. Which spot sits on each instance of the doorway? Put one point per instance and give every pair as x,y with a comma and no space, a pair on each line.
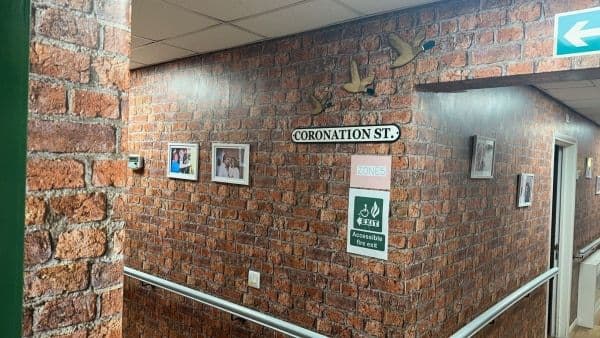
564,176
554,237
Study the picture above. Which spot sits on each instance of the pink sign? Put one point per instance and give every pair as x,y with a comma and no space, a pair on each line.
371,172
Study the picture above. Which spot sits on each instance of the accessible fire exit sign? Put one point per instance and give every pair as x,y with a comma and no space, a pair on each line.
368,223
577,33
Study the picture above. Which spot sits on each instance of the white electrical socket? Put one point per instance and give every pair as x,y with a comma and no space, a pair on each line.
254,279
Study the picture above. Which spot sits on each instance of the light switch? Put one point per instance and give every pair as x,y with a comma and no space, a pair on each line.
254,279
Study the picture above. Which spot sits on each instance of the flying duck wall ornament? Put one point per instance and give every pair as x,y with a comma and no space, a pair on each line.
358,85
408,52
320,105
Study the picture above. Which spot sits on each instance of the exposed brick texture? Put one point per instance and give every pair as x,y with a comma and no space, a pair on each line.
38,248
117,40
71,137
67,26
151,312
74,173
80,208
47,98
106,274
91,104
45,174
112,302
110,173
57,279
35,210
59,63
457,245
66,311
81,243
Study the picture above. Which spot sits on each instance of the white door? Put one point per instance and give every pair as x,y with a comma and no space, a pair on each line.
555,237
561,241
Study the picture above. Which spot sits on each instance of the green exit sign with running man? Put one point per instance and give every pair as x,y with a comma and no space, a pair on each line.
577,33
368,223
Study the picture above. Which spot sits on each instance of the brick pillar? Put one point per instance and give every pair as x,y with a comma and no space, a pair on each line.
76,173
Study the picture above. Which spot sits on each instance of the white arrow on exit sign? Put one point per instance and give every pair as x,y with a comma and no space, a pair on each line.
577,33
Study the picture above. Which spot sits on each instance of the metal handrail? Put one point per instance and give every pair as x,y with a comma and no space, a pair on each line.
221,304
499,308
588,250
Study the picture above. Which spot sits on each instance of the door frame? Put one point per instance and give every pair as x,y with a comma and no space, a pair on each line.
14,65
566,228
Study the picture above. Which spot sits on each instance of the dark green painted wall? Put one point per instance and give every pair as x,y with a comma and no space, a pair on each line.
14,63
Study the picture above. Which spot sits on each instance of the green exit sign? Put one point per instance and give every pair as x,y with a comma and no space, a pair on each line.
368,213
577,33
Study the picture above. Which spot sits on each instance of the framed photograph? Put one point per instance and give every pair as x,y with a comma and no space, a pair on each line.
183,161
525,195
482,161
597,185
230,163
588,167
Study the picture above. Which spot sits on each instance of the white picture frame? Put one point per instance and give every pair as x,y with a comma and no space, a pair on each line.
525,190
182,161
230,163
588,167
483,157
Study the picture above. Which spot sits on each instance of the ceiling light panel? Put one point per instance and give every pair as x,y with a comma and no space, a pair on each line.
157,20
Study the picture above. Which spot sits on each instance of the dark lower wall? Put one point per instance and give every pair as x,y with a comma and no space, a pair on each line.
152,312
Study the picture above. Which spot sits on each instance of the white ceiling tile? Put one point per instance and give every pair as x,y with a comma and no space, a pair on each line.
377,6
136,41
572,94
157,53
135,65
228,10
298,18
566,84
591,113
590,103
157,20
214,38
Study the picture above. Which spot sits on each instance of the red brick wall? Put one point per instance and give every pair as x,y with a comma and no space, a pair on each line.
512,244
457,245
75,176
